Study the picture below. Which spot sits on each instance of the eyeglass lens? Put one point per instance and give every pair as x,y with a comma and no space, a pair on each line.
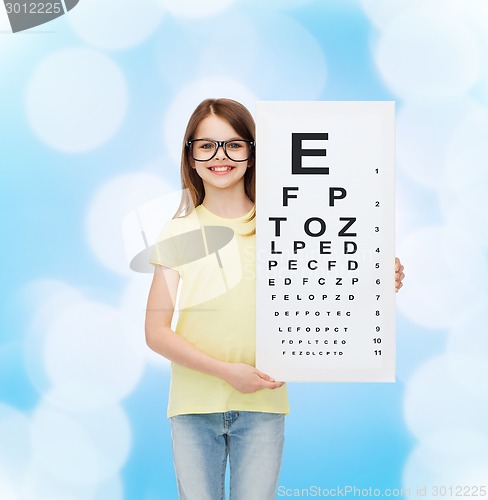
204,150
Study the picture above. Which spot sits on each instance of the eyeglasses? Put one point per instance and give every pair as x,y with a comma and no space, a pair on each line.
206,149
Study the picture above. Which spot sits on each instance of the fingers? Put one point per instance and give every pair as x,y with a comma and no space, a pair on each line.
271,385
398,265
268,382
399,274
247,379
398,281
264,376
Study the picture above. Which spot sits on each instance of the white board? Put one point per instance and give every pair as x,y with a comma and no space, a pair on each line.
325,241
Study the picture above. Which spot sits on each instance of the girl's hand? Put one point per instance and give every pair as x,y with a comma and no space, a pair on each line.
247,379
399,274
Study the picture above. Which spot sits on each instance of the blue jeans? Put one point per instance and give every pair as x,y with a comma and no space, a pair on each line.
253,441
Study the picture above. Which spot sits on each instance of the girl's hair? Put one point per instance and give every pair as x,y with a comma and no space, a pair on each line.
241,120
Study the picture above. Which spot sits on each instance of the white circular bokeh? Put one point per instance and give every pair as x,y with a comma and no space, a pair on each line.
63,449
89,345
290,63
79,395
230,51
4,20
274,5
271,62
445,274
37,485
424,130
448,457
462,213
195,8
466,171
177,63
76,99
475,13
14,48
46,298
467,351
427,53
115,24
188,99
466,262
434,399
15,444
81,448
112,489
381,12
110,204
7,489
412,203
133,308
41,486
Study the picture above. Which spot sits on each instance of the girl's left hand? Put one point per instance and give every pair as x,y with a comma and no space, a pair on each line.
399,274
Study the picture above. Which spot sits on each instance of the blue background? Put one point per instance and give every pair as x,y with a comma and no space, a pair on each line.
92,111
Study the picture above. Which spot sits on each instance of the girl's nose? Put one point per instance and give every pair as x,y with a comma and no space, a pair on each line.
220,153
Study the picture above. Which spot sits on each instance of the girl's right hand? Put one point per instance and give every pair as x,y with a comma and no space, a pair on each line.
247,379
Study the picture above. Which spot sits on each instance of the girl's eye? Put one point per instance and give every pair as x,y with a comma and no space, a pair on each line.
207,145
234,145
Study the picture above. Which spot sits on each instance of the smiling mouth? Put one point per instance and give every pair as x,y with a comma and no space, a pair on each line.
225,168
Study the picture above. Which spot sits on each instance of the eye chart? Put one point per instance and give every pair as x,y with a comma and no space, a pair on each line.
325,241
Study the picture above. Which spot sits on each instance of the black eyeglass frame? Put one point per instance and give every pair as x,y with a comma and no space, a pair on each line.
223,145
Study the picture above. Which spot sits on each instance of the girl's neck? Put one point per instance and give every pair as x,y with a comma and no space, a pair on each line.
226,204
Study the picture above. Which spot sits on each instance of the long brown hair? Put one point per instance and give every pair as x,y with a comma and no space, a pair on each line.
241,120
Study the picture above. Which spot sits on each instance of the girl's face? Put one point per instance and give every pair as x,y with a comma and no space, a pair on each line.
220,171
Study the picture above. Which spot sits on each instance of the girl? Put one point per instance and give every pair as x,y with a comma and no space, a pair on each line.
220,405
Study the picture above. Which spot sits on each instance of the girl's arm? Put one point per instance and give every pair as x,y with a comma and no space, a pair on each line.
161,339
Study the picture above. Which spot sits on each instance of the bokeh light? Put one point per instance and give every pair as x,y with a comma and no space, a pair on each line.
118,24
433,302
109,205
424,134
15,447
195,8
428,53
89,344
76,99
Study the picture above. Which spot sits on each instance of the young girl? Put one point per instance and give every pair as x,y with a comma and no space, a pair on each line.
220,405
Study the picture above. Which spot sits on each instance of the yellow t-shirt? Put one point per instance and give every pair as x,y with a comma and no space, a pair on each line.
217,309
